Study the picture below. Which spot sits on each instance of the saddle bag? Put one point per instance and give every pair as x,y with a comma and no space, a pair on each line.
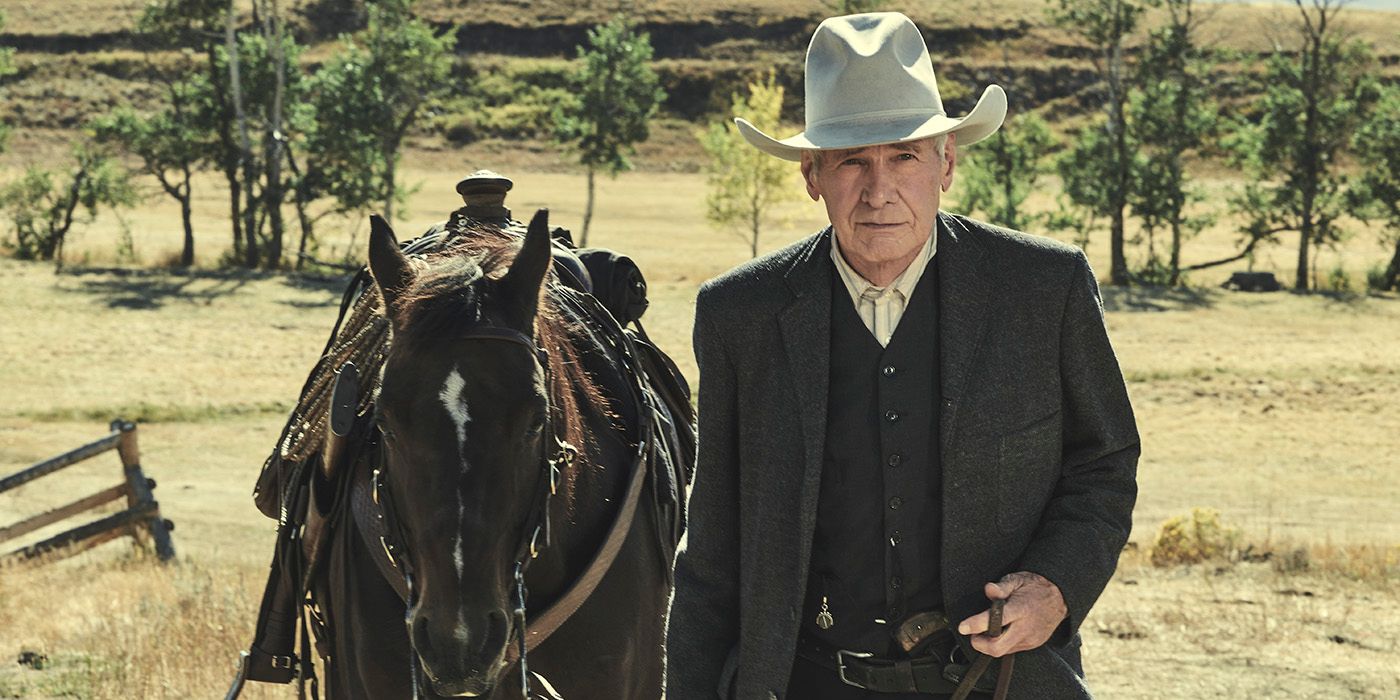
617,283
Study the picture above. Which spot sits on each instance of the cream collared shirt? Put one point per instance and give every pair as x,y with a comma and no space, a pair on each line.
880,308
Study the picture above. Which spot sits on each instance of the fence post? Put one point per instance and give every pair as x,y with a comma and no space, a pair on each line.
139,491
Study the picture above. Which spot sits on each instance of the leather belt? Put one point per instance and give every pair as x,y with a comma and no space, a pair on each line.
932,672
920,674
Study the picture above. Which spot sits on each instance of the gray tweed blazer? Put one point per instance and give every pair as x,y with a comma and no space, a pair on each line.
1039,450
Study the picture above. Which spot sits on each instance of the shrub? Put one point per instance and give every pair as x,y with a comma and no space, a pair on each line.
1376,279
1194,538
1339,281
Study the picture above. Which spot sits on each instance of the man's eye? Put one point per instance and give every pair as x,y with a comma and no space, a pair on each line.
906,156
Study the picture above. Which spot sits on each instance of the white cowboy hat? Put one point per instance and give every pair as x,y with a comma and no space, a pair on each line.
870,81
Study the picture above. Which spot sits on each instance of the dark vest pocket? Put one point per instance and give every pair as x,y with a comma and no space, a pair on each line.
1028,464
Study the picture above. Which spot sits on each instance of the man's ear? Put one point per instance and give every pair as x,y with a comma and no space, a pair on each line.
950,160
809,176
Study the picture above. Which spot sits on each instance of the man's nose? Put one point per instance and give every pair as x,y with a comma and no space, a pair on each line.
879,185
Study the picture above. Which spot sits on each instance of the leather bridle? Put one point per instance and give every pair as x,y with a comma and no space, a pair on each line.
537,524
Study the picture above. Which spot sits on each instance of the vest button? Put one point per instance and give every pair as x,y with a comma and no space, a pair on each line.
888,371
896,502
891,416
896,582
894,459
895,538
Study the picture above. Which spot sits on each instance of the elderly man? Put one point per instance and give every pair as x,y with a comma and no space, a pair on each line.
913,430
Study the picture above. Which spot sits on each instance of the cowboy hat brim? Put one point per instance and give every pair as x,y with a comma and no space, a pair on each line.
882,128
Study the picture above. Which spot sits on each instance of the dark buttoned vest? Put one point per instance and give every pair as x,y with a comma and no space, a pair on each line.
875,553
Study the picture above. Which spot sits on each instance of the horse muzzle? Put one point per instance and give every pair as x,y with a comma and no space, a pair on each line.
462,660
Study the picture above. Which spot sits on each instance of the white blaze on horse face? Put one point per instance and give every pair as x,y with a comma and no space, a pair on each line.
456,404
455,401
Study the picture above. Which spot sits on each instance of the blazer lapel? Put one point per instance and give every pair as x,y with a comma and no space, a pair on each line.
964,294
806,331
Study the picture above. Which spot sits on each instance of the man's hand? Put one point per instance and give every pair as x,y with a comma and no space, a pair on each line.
1034,608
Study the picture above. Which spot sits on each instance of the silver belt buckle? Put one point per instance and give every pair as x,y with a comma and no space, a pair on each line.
841,655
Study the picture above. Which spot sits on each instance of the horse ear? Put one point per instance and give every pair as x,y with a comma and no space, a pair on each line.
522,281
390,267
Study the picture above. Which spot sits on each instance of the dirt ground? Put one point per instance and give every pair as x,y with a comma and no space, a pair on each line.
1279,410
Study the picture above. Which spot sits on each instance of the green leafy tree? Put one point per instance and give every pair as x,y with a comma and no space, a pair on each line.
617,93
1171,115
746,184
1089,170
170,144
272,102
251,94
1103,157
1376,194
1314,98
1001,171
43,210
202,26
366,98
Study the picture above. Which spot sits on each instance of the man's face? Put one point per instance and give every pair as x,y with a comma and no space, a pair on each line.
881,200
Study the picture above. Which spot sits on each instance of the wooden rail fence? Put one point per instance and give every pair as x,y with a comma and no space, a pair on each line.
141,519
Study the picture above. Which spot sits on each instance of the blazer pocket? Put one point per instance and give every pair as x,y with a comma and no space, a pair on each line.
1028,464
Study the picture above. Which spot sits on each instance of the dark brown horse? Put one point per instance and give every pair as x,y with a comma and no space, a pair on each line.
491,385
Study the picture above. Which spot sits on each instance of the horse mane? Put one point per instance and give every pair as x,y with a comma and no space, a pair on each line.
443,300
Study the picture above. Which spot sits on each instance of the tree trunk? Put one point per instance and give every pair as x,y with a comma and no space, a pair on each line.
1311,167
58,235
1392,273
235,206
755,216
1118,263
306,228
299,197
1181,17
587,211
1175,277
245,151
187,253
273,191
389,168
1005,171
1300,280
228,164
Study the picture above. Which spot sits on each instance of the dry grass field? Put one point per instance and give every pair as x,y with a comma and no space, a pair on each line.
1278,410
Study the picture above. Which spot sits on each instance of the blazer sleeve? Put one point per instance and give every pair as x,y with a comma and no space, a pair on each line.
702,624
1089,516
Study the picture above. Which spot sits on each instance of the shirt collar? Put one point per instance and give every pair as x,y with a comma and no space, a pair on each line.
904,283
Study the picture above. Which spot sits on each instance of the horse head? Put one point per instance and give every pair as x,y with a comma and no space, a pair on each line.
465,415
